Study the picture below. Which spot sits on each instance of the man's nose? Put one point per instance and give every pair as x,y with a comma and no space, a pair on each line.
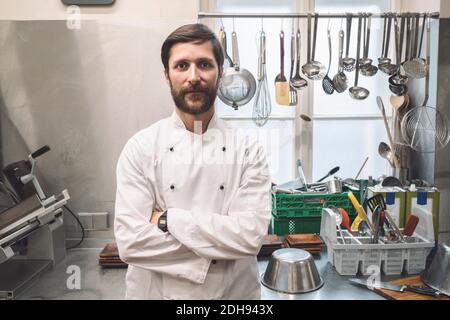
194,74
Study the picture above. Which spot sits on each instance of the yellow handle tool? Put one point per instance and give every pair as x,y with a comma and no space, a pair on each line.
361,213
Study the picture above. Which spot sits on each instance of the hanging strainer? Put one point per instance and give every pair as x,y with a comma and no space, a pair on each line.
425,129
238,85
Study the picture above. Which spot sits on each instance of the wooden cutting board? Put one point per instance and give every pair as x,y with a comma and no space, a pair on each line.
304,240
407,295
110,250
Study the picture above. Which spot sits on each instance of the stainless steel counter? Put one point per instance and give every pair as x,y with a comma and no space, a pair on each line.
100,283
336,287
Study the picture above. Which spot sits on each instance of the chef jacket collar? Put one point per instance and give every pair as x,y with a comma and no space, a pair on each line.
180,124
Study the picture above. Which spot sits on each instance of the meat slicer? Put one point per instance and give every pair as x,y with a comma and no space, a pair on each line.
32,236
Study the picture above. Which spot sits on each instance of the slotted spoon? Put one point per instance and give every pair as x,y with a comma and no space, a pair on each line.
327,83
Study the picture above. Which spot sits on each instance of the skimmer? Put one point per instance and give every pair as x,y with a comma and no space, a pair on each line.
327,83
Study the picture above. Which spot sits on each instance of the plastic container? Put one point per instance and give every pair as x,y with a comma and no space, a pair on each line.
359,255
427,199
395,198
308,204
284,226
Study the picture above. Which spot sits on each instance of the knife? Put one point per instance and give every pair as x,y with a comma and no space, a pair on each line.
393,287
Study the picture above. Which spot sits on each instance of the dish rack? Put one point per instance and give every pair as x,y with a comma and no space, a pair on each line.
356,254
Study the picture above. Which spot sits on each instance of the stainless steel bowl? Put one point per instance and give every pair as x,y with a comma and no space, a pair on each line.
437,275
292,270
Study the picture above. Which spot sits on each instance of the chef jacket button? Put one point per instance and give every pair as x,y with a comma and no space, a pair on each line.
214,261
171,149
222,187
172,187
224,149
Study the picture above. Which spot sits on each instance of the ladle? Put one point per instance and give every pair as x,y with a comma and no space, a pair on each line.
308,68
383,59
340,79
398,79
366,38
367,68
297,81
358,93
385,64
348,63
314,70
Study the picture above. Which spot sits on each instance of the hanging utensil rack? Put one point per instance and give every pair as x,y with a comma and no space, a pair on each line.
201,15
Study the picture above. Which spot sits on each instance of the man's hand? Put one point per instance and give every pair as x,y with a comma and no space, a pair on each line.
155,216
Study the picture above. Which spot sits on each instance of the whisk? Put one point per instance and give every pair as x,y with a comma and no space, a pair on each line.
262,106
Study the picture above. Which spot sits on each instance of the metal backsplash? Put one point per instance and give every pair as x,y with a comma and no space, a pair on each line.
442,162
84,93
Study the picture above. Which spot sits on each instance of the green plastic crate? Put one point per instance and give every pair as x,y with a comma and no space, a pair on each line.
284,226
308,204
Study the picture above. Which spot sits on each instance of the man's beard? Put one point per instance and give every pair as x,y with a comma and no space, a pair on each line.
197,92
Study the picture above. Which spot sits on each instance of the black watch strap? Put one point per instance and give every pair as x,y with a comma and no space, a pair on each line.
162,222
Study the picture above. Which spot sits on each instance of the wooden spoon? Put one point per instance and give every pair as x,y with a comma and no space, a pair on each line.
281,83
397,101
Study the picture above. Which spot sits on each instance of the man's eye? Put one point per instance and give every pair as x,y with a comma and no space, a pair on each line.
205,65
181,66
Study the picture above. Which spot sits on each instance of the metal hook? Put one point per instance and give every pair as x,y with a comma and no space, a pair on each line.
233,24
262,23
281,24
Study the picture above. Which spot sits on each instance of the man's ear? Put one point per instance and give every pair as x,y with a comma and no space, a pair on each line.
166,74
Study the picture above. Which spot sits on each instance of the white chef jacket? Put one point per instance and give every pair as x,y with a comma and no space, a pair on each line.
216,188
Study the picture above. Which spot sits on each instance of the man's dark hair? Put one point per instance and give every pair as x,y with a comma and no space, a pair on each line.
197,33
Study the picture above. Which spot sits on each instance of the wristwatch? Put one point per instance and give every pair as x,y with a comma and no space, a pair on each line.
162,222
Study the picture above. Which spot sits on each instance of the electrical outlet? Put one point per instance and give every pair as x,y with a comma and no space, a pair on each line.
94,220
100,221
86,220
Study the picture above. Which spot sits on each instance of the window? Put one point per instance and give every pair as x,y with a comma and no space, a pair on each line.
278,135
344,131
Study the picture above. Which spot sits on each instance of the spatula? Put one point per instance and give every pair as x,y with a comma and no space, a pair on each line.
281,83
375,201
411,225
345,219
